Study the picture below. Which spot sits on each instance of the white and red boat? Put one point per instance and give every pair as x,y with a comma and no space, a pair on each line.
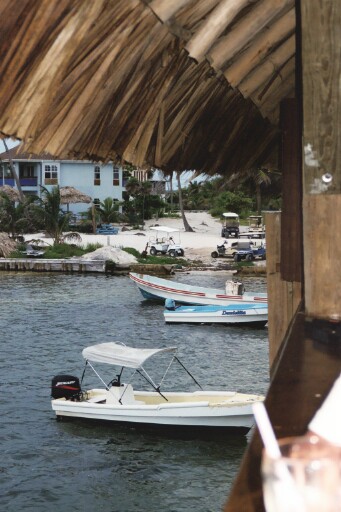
161,289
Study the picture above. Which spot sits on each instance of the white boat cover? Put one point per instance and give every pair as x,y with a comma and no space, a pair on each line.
165,229
120,355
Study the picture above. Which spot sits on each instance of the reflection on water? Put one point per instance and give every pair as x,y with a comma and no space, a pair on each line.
46,321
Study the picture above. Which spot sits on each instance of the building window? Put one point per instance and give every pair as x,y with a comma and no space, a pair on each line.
97,175
27,171
50,174
116,176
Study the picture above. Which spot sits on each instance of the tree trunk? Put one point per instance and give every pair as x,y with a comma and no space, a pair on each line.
171,192
14,172
258,199
185,221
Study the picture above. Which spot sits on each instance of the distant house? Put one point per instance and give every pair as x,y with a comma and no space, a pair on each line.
157,180
95,180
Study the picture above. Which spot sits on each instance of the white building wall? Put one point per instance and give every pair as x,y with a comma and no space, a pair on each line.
81,176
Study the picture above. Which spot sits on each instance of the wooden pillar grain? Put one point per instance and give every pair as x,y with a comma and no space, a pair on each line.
284,296
291,218
321,73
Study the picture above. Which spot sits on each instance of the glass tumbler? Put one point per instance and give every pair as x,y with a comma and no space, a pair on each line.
306,478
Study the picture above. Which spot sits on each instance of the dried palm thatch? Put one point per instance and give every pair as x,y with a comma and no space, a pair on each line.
7,245
70,195
179,84
10,192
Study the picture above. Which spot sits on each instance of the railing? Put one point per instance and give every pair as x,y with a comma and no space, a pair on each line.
28,182
7,181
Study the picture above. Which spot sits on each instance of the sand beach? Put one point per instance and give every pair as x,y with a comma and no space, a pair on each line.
197,245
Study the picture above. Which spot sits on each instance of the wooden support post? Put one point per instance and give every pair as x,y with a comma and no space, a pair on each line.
291,163
321,48
284,296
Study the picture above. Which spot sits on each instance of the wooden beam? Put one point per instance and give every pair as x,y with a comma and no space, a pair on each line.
277,93
165,9
273,65
321,50
291,258
261,48
213,26
278,80
246,30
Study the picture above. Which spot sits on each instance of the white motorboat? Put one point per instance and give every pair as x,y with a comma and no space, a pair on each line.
226,411
161,289
240,314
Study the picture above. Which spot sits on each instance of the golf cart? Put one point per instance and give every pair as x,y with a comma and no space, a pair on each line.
256,223
163,242
240,251
230,227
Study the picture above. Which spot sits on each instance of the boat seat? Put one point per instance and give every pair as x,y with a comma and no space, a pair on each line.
128,398
99,399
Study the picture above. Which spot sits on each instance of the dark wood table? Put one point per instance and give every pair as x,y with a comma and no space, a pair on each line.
308,364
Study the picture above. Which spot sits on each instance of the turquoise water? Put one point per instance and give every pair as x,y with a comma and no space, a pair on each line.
46,320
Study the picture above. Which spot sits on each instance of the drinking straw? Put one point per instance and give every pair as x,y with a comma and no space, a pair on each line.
294,501
266,431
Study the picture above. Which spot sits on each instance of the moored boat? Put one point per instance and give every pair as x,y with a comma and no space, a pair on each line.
156,288
227,411
232,314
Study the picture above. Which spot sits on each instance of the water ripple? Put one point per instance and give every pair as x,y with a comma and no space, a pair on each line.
46,320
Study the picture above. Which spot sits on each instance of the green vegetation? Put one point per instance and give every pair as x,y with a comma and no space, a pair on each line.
60,251
108,210
139,204
17,218
245,194
48,212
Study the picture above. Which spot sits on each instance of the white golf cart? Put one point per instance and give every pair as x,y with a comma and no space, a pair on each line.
230,225
256,223
164,243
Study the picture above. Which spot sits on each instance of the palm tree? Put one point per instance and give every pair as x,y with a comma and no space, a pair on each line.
16,218
108,210
181,204
50,213
257,178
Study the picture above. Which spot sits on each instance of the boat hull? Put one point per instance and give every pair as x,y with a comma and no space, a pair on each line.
218,315
196,410
161,289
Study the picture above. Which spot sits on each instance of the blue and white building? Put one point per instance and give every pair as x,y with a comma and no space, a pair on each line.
98,181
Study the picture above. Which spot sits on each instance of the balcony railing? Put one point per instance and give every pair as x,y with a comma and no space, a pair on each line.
28,182
7,181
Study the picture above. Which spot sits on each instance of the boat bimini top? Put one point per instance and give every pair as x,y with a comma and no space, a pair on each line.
120,355
127,357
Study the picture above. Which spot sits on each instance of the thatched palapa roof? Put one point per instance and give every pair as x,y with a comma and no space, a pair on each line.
7,245
179,84
70,195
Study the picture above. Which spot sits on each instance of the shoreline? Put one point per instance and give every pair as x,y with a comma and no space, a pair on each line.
198,245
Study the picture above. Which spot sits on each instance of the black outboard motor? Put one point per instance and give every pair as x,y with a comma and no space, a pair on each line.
66,386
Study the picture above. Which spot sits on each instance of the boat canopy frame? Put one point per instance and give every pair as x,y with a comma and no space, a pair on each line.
128,357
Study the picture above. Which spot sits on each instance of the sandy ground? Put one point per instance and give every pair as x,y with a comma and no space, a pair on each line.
197,245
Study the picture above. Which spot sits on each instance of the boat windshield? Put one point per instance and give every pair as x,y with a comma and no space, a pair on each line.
120,355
